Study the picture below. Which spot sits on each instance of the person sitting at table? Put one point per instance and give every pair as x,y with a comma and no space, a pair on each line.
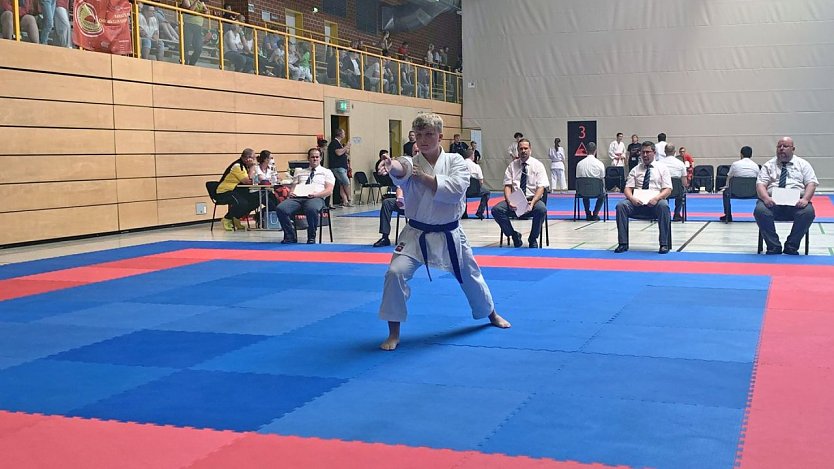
318,183
239,199
265,175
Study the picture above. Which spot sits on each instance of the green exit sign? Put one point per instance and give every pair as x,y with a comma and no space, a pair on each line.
342,106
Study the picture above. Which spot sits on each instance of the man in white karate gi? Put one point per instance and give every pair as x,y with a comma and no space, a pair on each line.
434,184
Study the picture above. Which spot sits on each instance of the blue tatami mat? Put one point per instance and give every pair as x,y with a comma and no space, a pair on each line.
647,369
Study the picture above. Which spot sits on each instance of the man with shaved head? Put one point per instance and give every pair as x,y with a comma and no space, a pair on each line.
786,171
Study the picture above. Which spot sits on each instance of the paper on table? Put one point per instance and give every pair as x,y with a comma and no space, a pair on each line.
518,199
785,196
645,195
302,190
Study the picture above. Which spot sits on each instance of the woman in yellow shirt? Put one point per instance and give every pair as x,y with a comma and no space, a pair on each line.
240,200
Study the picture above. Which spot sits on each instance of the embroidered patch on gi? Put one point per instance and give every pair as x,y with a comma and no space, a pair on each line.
399,247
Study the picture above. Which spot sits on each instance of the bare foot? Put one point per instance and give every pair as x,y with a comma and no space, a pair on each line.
498,321
393,337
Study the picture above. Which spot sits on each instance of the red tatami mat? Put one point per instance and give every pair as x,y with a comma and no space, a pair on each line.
19,287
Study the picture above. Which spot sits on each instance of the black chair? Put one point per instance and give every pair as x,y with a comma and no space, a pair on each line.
761,240
211,188
679,190
300,220
721,173
704,176
474,191
743,188
384,180
593,188
362,180
545,231
613,178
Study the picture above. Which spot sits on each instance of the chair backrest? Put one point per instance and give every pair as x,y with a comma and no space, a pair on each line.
743,187
722,170
211,188
474,187
383,179
589,187
704,170
677,188
612,172
361,177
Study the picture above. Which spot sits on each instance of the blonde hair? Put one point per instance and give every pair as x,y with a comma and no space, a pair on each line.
428,119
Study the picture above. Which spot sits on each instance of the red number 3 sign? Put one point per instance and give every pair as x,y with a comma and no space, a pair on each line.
582,132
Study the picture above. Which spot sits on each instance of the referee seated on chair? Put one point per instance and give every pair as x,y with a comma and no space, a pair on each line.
745,167
788,171
528,175
648,175
318,183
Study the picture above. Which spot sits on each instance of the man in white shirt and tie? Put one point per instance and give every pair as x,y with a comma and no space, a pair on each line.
322,181
616,152
591,167
786,171
745,167
677,169
530,176
651,176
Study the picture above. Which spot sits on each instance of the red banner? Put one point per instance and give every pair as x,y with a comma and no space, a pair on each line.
103,26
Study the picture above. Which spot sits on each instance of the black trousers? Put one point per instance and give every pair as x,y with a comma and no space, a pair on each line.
241,202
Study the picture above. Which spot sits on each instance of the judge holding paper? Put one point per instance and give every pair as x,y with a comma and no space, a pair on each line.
646,189
525,182
785,187
309,189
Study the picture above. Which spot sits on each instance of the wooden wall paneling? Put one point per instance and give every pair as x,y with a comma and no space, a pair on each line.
58,223
135,166
133,117
277,106
375,98
192,77
276,143
138,215
136,189
195,142
270,86
183,210
41,141
191,98
132,94
38,85
211,165
182,187
282,160
134,141
261,124
57,167
48,195
40,113
193,121
131,68
451,109
27,56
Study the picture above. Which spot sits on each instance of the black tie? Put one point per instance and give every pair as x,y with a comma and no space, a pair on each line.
647,177
523,182
310,177
783,176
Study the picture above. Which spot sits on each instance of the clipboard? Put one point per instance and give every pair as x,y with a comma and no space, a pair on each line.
302,190
518,199
645,195
785,196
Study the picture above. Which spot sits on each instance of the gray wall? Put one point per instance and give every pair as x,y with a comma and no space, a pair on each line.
713,75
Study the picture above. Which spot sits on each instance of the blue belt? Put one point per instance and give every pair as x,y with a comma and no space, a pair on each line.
450,243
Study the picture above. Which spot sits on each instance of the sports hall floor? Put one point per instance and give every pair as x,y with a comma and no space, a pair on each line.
185,348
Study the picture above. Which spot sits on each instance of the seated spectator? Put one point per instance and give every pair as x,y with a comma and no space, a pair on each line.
457,146
389,78
403,51
786,171
265,175
648,175
240,200
422,83
677,169
234,50
407,80
322,181
167,32
267,59
349,69
528,175
149,33
591,167
373,76
28,24
303,63
475,172
745,167
55,15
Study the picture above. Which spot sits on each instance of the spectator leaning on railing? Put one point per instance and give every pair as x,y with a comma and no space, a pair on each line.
27,20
